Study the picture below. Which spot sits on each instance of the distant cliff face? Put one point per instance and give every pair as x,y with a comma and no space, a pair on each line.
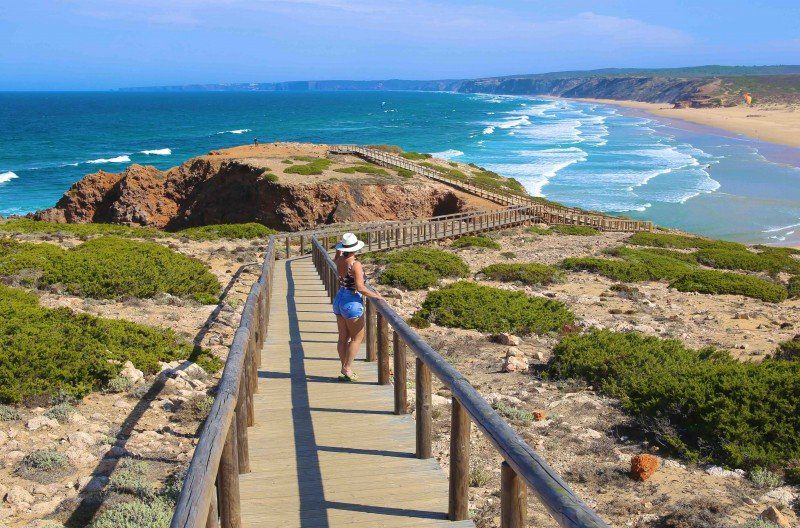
222,188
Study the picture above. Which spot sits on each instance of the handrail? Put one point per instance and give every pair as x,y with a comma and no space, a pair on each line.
550,213
520,460
222,451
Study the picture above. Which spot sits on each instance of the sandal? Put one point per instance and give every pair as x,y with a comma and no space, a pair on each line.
351,377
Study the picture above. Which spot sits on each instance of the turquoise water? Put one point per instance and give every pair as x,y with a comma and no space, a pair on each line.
582,154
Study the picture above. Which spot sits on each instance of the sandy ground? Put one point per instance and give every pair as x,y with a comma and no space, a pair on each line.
774,123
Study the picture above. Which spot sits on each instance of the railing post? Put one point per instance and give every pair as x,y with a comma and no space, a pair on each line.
213,513
383,350
230,508
513,498
287,247
372,342
302,245
400,375
459,463
240,419
423,403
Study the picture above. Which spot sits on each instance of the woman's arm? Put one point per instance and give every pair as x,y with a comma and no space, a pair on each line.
358,275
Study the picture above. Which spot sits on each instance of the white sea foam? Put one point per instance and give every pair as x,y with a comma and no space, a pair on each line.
488,130
779,229
447,154
7,176
118,159
238,131
540,166
157,152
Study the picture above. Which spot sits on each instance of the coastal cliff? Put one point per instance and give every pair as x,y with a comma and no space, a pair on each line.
284,186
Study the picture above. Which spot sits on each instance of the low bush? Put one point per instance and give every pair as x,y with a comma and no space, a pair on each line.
409,276
658,263
722,282
29,226
44,466
613,269
475,241
536,230
442,263
415,156
479,476
473,306
766,260
49,351
61,412
764,478
703,403
514,414
156,513
574,230
248,231
315,166
531,273
670,240
131,478
405,173
109,267
793,287
789,350
119,384
8,414
195,409
364,168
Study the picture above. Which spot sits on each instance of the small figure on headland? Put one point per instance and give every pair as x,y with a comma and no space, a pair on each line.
255,141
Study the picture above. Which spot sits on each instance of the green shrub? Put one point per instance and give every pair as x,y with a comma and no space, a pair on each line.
49,351
531,273
792,473
574,230
473,306
789,350
440,262
409,276
514,414
195,409
613,269
61,412
764,478
44,466
405,173
479,476
721,282
476,241
29,226
703,403
8,414
26,260
759,523
155,513
536,230
669,240
119,384
249,231
766,260
659,264
793,287
315,166
415,156
131,478
307,159
364,168
109,267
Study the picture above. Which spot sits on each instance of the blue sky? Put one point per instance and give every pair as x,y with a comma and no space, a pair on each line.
102,44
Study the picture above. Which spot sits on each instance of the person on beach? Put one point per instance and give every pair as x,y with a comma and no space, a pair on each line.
348,305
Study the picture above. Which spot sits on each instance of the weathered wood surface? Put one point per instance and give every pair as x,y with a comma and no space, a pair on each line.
323,453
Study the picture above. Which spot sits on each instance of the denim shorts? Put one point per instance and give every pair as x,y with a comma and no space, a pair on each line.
348,304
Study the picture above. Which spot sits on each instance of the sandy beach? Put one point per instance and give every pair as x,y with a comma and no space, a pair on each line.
774,123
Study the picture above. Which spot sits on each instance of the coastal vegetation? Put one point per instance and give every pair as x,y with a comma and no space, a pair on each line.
532,273
415,268
363,168
49,352
415,156
702,403
473,306
475,241
718,282
247,231
314,166
574,230
107,268
675,241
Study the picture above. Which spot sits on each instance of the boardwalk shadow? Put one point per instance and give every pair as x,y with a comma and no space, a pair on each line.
306,448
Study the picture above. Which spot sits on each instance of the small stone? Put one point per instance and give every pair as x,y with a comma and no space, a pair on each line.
495,397
437,400
773,515
194,371
45,508
721,472
80,438
643,466
783,495
130,372
515,361
508,339
670,463
80,457
17,495
539,415
90,484
36,423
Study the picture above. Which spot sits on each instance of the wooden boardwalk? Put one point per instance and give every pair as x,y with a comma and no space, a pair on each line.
324,453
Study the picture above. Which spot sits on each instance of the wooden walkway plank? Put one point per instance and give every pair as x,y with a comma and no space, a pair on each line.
325,454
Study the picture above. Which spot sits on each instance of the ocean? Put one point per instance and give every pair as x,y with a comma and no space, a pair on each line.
588,155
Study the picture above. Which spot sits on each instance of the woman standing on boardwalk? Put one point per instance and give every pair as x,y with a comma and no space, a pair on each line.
348,305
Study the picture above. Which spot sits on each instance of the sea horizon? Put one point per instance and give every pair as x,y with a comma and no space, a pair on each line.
585,154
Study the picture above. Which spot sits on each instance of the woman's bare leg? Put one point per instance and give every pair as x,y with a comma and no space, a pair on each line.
341,344
355,329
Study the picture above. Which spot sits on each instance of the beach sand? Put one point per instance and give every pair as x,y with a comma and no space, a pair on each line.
774,123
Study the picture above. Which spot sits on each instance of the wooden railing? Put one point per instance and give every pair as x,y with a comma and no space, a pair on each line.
550,214
409,232
210,494
521,468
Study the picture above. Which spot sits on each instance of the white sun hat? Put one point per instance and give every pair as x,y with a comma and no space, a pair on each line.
350,243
